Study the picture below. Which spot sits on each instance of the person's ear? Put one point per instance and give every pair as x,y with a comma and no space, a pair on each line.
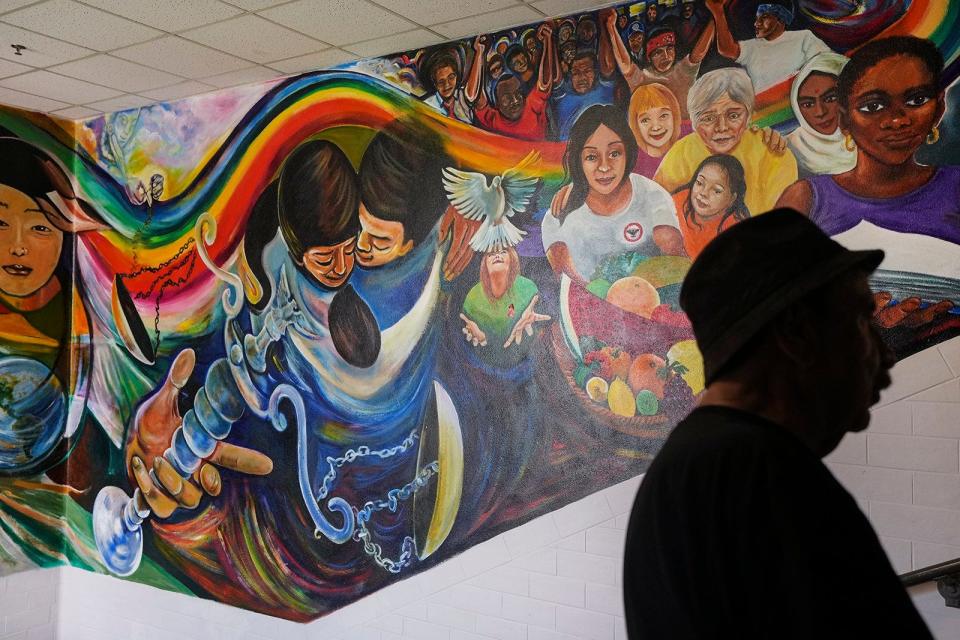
941,107
796,337
844,120
405,248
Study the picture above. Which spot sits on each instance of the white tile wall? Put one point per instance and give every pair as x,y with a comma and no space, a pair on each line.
557,577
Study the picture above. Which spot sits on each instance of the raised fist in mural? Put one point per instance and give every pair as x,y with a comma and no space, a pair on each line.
544,32
608,17
150,436
481,43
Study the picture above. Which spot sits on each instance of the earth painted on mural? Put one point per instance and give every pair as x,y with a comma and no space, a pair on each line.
32,409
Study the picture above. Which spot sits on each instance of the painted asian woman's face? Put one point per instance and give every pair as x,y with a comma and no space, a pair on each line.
380,241
711,194
817,100
331,265
722,125
29,244
892,108
656,126
603,160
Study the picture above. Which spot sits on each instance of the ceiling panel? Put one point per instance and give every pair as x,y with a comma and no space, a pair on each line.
563,7
177,91
80,24
254,38
169,15
338,21
443,10
77,113
116,73
488,22
10,5
28,101
8,69
255,5
120,103
392,44
50,85
40,51
243,76
183,57
320,60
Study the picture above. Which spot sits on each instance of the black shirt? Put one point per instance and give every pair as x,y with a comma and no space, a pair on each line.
740,531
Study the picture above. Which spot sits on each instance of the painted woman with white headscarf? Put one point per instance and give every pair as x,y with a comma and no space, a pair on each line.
818,142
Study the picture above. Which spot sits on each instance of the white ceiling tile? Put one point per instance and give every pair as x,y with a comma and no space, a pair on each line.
177,91
443,10
57,87
169,15
255,5
41,51
488,22
77,113
338,21
27,101
183,57
8,69
253,38
244,76
80,24
556,8
116,73
393,44
313,61
10,5
120,103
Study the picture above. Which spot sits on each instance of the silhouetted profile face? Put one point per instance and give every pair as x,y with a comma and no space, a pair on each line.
29,244
510,99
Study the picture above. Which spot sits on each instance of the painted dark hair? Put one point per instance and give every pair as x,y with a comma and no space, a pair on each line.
315,202
585,126
874,52
439,59
401,177
513,51
737,182
585,54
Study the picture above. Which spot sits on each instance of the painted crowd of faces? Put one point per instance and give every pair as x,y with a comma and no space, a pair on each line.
410,298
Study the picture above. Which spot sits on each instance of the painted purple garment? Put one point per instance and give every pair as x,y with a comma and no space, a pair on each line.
932,210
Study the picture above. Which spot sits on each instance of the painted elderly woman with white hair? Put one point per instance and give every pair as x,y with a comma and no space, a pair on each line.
721,105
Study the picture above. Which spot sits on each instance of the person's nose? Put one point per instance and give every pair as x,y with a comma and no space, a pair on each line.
898,118
604,165
819,108
363,242
339,262
18,247
722,124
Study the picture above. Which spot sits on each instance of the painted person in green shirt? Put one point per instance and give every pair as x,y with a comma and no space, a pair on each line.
499,310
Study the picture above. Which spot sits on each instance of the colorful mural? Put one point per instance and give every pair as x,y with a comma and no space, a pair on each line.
283,345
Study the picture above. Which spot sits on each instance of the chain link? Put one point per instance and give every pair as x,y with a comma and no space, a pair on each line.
408,547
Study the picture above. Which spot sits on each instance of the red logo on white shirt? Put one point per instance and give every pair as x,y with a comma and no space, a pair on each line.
633,232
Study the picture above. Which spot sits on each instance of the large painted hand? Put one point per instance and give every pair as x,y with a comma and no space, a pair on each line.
460,231
560,199
525,323
772,139
472,332
150,436
907,312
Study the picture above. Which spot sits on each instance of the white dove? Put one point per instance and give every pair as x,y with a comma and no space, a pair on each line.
507,194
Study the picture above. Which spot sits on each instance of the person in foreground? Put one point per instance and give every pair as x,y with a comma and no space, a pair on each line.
739,530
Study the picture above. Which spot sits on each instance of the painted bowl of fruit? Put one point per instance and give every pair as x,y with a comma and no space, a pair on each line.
625,347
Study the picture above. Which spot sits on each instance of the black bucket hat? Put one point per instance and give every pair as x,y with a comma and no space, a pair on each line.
750,273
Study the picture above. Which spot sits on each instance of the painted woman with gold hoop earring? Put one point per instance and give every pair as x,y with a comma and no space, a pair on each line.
892,102
891,105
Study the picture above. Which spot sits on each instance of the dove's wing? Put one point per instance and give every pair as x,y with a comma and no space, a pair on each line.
469,194
518,189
